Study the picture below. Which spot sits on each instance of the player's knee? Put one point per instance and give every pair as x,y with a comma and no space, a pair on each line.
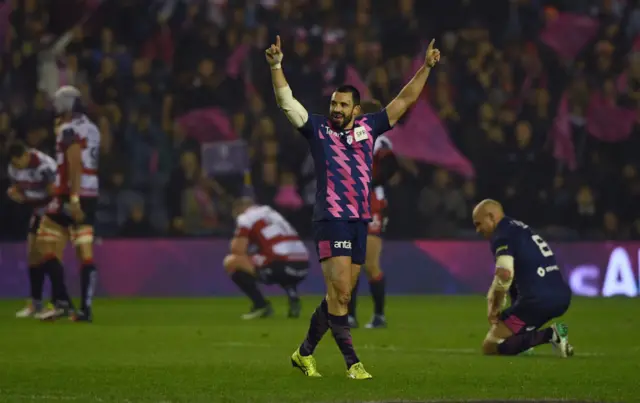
344,297
230,263
489,347
373,270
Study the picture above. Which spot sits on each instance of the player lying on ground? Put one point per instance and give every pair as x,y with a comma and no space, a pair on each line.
384,167
342,150
265,249
32,174
71,214
526,260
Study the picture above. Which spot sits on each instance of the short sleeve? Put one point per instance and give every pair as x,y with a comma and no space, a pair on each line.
68,137
243,227
378,121
500,246
309,127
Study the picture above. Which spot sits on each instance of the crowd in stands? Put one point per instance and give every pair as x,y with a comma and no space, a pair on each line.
500,90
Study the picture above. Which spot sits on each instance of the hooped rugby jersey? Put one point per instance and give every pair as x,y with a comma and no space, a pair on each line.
80,130
35,179
271,236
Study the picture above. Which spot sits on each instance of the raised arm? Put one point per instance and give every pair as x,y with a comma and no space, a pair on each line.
296,113
410,93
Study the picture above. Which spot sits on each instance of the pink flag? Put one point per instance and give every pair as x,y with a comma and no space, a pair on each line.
608,122
561,135
207,124
353,78
288,198
236,59
569,34
424,138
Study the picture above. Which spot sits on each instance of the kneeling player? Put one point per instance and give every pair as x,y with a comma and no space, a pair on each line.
280,256
524,259
32,174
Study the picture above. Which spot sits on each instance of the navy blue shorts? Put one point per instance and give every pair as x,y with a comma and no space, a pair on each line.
341,238
527,316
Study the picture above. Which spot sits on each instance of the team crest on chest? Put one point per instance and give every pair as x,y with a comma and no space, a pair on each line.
349,139
360,133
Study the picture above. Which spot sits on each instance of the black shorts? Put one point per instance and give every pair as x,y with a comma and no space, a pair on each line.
58,211
34,224
526,316
341,238
282,273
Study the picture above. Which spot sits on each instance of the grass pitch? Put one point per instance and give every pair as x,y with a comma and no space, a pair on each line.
198,350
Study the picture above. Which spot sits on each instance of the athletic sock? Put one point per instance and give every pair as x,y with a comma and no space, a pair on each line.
36,283
292,292
54,268
377,286
518,343
247,283
88,279
318,326
342,335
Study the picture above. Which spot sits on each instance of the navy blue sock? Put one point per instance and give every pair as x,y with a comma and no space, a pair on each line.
518,343
318,326
342,335
88,278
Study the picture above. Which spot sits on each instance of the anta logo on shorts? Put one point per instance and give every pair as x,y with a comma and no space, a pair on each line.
342,244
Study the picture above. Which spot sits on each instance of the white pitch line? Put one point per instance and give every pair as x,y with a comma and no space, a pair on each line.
390,348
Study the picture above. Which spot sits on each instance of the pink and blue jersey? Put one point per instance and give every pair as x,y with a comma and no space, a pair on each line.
343,162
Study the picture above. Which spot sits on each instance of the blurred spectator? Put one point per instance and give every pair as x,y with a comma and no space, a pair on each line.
512,102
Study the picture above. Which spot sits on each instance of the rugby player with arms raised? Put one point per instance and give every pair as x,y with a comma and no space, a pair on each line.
342,150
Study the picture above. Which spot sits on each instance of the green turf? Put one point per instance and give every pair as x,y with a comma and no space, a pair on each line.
198,350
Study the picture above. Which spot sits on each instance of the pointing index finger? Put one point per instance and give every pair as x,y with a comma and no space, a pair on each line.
278,41
433,41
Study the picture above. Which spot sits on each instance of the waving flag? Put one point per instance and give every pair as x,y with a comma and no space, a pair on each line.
569,33
561,135
424,138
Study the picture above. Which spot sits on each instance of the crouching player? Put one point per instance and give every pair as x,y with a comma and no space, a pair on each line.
280,256
32,174
384,167
524,259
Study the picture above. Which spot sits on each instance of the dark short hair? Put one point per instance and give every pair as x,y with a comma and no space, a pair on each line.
17,149
355,94
371,106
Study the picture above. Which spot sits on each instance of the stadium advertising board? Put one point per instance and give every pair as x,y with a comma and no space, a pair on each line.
194,268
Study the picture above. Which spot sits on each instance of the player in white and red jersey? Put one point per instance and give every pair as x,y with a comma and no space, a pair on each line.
72,211
384,167
266,249
32,174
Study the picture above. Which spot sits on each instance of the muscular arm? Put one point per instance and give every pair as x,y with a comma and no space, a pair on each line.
239,245
408,95
295,112
74,161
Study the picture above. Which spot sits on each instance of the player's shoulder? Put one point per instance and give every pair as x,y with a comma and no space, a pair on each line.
43,159
252,215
